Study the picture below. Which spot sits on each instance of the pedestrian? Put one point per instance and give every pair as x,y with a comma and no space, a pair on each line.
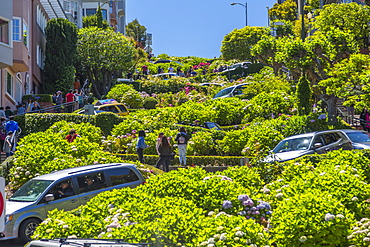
76,100
2,133
69,101
72,135
165,153
158,142
12,126
2,112
351,113
140,146
182,141
8,144
21,109
365,119
8,112
36,106
59,100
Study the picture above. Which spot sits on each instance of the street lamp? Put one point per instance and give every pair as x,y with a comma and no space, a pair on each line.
246,10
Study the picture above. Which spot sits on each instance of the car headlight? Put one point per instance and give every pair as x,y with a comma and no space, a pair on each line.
8,218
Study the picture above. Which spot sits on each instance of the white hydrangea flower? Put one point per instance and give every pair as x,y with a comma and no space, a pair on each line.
329,217
303,239
279,195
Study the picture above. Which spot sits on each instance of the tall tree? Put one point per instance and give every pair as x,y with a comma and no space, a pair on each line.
352,18
304,95
285,11
138,32
238,43
101,53
60,52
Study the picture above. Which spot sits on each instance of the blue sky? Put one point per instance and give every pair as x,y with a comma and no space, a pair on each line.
194,27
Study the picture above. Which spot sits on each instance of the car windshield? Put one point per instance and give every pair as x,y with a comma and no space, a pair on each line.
224,92
358,136
30,191
301,143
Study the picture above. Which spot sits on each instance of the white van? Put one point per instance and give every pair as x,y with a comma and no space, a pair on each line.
66,189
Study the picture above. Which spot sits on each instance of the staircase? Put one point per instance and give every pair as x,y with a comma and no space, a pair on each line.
342,112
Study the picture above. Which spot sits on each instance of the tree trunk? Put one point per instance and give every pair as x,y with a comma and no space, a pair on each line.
331,102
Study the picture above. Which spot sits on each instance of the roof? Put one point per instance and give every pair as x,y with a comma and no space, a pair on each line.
53,8
70,171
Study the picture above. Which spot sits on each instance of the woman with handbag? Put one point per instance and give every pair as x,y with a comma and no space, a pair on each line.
165,154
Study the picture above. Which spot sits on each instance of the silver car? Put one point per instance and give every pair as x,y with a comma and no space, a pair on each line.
66,189
360,138
309,143
82,243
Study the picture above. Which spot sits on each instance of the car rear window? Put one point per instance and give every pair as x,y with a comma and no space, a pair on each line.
122,175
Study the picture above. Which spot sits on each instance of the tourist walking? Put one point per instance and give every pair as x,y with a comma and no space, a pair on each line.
2,112
58,100
12,126
182,141
165,153
140,146
365,119
69,100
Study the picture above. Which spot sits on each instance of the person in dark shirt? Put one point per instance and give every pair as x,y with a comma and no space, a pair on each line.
65,190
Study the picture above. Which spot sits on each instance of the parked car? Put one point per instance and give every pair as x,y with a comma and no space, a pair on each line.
309,143
82,243
165,76
107,105
206,125
360,138
231,91
65,190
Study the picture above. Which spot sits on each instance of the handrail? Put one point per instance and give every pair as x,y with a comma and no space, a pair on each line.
52,109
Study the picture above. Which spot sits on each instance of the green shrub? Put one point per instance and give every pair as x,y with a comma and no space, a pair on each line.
268,105
311,218
155,220
38,97
335,176
43,152
359,235
201,143
149,102
106,121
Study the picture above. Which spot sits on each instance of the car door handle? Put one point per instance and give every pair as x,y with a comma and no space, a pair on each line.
85,198
327,149
74,200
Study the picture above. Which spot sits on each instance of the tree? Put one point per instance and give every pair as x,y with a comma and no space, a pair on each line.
285,11
92,21
238,43
352,18
349,79
102,52
304,95
137,32
60,52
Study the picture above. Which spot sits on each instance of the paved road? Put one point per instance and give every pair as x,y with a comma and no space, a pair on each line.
10,243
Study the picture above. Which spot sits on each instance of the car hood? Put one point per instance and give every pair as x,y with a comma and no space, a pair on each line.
361,145
285,156
13,206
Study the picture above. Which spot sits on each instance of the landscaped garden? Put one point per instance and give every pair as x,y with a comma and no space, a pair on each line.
318,200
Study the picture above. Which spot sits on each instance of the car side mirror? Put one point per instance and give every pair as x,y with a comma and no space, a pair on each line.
49,198
317,145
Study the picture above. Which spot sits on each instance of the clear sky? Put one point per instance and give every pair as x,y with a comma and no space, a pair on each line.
194,27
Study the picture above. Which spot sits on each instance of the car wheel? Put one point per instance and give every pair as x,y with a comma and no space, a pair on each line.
27,228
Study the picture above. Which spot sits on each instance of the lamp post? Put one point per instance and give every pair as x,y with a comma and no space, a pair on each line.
246,10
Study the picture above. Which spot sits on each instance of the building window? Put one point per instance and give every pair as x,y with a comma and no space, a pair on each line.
39,57
4,31
25,34
9,84
41,19
17,29
93,12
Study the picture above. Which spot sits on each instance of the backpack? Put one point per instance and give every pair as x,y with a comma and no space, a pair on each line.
182,139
